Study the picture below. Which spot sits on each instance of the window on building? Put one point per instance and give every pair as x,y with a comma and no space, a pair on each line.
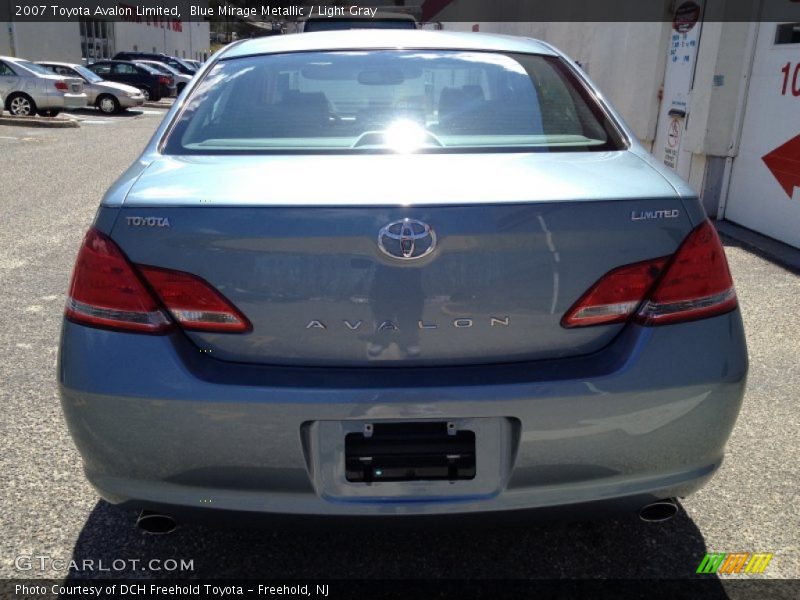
97,39
787,33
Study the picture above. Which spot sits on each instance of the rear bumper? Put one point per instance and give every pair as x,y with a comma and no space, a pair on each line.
160,424
130,101
66,101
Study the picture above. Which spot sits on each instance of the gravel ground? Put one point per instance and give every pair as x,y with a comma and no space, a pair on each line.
52,181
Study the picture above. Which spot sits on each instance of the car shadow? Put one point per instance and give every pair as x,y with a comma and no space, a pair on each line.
94,112
619,548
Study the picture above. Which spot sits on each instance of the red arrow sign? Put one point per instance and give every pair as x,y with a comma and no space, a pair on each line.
784,164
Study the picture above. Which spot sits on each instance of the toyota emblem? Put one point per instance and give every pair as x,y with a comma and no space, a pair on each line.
407,239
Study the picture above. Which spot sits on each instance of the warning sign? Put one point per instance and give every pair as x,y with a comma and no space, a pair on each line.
673,141
686,17
674,133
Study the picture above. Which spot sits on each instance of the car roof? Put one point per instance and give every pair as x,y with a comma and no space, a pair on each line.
360,39
57,63
14,59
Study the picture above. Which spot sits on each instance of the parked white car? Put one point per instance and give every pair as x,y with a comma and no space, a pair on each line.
108,96
31,89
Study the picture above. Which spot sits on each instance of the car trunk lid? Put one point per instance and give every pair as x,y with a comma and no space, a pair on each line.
293,242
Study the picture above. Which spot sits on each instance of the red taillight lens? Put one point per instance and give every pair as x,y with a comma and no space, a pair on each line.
165,80
693,284
615,297
193,302
697,282
62,86
106,292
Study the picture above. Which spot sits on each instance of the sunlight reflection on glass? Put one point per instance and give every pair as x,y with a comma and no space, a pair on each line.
405,136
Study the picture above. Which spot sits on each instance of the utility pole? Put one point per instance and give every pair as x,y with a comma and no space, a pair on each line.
12,31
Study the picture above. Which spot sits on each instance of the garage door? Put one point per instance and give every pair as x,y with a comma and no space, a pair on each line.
765,183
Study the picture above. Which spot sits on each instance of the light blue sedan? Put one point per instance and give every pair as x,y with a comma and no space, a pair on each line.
399,273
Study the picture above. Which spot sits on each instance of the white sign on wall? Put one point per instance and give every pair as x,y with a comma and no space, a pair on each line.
678,79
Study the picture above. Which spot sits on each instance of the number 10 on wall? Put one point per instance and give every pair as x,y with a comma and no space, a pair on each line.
786,70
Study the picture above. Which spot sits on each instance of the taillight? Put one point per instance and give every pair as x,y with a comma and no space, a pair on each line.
163,79
106,292
616,296
697,282
694,283
193,302
62,86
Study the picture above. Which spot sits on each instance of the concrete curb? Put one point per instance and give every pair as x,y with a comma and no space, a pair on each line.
157,105
777,252
131,113
52,122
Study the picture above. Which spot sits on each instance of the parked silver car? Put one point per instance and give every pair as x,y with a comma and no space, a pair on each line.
108,96
29,89
180,78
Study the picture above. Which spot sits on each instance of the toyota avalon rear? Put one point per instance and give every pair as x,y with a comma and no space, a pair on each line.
399,273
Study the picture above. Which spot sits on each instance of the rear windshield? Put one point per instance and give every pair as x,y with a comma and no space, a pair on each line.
391,101
34,67
148,68
154,67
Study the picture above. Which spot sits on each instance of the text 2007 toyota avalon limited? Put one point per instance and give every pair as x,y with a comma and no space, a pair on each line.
399,273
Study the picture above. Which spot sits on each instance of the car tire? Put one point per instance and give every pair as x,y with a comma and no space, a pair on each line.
107,104
21,105
146,92
180,89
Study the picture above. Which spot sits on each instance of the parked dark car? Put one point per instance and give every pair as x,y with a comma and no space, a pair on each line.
174,62
153,84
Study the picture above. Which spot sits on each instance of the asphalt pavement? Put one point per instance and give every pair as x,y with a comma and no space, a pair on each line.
50,184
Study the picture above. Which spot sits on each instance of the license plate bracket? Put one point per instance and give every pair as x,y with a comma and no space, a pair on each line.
413,451
324,445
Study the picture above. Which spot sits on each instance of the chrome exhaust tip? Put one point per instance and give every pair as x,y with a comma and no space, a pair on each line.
657,512
155,523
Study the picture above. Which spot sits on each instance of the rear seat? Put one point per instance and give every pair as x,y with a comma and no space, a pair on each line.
297,114
464,111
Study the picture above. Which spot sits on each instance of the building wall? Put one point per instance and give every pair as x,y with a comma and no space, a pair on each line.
62,41
625,60
41,41
192,41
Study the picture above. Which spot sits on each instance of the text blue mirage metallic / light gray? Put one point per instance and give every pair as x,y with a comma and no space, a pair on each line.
382,273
